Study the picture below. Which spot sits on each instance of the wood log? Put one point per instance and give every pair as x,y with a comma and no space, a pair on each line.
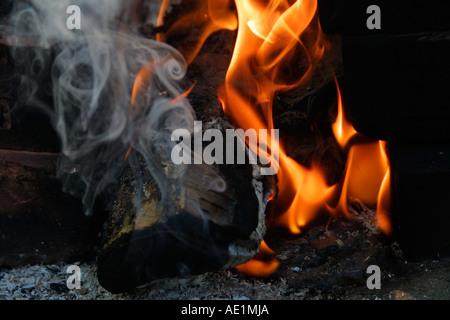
396,87
5,8
38,222
23,126
5,108
349,17
159,241
145,239
421,205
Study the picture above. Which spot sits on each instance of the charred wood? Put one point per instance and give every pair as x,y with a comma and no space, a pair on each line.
146,239
397,17
172,240
396,87
421,206
38,222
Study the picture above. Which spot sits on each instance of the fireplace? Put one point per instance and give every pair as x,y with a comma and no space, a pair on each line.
121,138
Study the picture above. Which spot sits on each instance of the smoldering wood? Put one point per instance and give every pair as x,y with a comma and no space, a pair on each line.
39,223
237,217
155,245
304,114
349,17
226,232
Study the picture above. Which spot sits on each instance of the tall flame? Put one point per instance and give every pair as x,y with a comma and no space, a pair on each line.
268,41
342,128
279,43
268,36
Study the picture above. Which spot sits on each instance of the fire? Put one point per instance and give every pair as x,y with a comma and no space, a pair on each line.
279,43
267,37
209,17
342,128
260,268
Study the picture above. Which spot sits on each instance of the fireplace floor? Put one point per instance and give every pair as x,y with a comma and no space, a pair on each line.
327,262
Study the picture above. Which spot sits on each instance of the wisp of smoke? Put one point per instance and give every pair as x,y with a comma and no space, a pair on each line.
92,75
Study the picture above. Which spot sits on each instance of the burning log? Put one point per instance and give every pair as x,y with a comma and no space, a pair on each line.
395,89
145,238
160,240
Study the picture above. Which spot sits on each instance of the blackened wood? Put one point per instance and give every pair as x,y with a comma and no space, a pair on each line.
5,115
397,17
5,75
396,87
5,8
29,130
158,244
421,203
23,126
38,222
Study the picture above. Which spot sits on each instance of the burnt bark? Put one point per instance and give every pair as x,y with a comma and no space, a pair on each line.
145,239
159,241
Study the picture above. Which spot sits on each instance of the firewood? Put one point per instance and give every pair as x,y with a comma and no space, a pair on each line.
39,223
421,210
146,239
397,17
396,86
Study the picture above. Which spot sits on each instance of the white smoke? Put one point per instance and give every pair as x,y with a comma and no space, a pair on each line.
92,74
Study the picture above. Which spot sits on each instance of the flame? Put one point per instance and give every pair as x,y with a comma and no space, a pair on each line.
209,16
278,46
384,197
267,37
342,128
367,173
160,19
260,268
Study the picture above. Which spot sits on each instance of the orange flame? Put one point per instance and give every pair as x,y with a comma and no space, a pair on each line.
367,174
210,16
260,268
342,128
269,36
279,43
160,19
384,197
